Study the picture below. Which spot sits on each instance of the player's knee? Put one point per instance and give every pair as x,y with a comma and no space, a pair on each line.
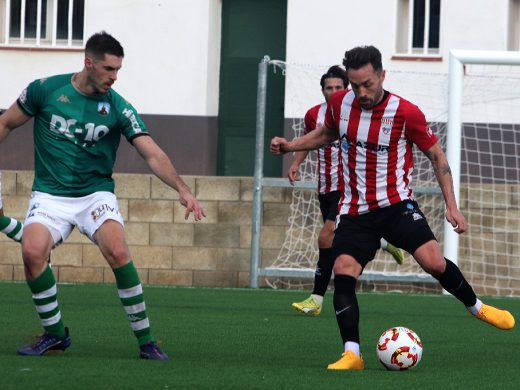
118,255
436,266
347,265
33,255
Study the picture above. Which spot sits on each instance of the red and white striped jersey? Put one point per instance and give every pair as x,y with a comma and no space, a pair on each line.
377,149
330,169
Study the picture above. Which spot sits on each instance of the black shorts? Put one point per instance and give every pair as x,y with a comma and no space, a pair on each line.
403,224
329,205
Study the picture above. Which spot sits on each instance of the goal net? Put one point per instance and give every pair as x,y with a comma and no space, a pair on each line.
489,181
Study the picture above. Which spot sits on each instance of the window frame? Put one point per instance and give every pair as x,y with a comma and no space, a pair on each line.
513,28
404,32
50,41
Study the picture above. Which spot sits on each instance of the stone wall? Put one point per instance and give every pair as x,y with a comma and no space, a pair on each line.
166,249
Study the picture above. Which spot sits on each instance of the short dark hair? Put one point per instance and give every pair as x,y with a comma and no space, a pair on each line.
335,72
362,55
102,43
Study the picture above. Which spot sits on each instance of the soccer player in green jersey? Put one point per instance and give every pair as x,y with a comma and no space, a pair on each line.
78,123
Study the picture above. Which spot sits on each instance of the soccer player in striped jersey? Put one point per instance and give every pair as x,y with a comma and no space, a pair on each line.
78,123
378,129
330,187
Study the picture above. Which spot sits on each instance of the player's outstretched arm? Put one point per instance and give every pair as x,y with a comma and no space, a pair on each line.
444,178
162,167
313,140
11,119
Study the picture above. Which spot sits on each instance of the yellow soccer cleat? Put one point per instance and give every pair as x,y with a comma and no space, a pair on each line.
397,253
308,306
349,361
502,319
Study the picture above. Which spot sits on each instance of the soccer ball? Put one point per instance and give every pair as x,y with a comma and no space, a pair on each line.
399,348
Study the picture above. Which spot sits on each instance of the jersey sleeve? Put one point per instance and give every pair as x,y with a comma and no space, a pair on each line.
309,121
331,114
32,97
417,129
130,122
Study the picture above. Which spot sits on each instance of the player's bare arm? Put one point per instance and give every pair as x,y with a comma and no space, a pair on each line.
444,178
313,140
11,119
162,167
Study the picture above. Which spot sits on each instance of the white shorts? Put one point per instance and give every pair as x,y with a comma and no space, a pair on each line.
61,214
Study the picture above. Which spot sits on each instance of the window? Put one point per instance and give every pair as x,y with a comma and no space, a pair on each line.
514,25
42,23
418,27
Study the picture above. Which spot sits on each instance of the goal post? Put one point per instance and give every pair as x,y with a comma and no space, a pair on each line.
256,223
457,60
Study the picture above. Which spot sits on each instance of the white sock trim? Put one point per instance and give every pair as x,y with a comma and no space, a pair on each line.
475,308
352,346
130,292
317,298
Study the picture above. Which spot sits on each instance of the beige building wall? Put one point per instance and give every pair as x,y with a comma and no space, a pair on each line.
166,249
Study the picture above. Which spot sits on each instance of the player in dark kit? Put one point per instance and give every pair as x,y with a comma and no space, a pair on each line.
78,123
378,130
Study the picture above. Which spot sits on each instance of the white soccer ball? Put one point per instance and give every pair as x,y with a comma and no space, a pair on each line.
399,348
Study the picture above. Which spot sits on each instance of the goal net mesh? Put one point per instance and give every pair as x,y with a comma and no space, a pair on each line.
489,198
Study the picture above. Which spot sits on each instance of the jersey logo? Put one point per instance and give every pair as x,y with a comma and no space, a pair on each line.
23,96
386,125
87,136
103,108
370,146
133,120
63,99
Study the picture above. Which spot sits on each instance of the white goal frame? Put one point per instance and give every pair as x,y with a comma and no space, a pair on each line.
457,60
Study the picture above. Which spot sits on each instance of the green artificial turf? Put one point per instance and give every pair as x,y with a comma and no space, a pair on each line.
251,339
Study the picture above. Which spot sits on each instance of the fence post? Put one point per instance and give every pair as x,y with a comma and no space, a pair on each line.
259,167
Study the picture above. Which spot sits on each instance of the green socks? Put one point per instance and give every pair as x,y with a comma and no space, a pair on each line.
11,227
44,295
130,292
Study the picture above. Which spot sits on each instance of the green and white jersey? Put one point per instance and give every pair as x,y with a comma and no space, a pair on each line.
76,137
